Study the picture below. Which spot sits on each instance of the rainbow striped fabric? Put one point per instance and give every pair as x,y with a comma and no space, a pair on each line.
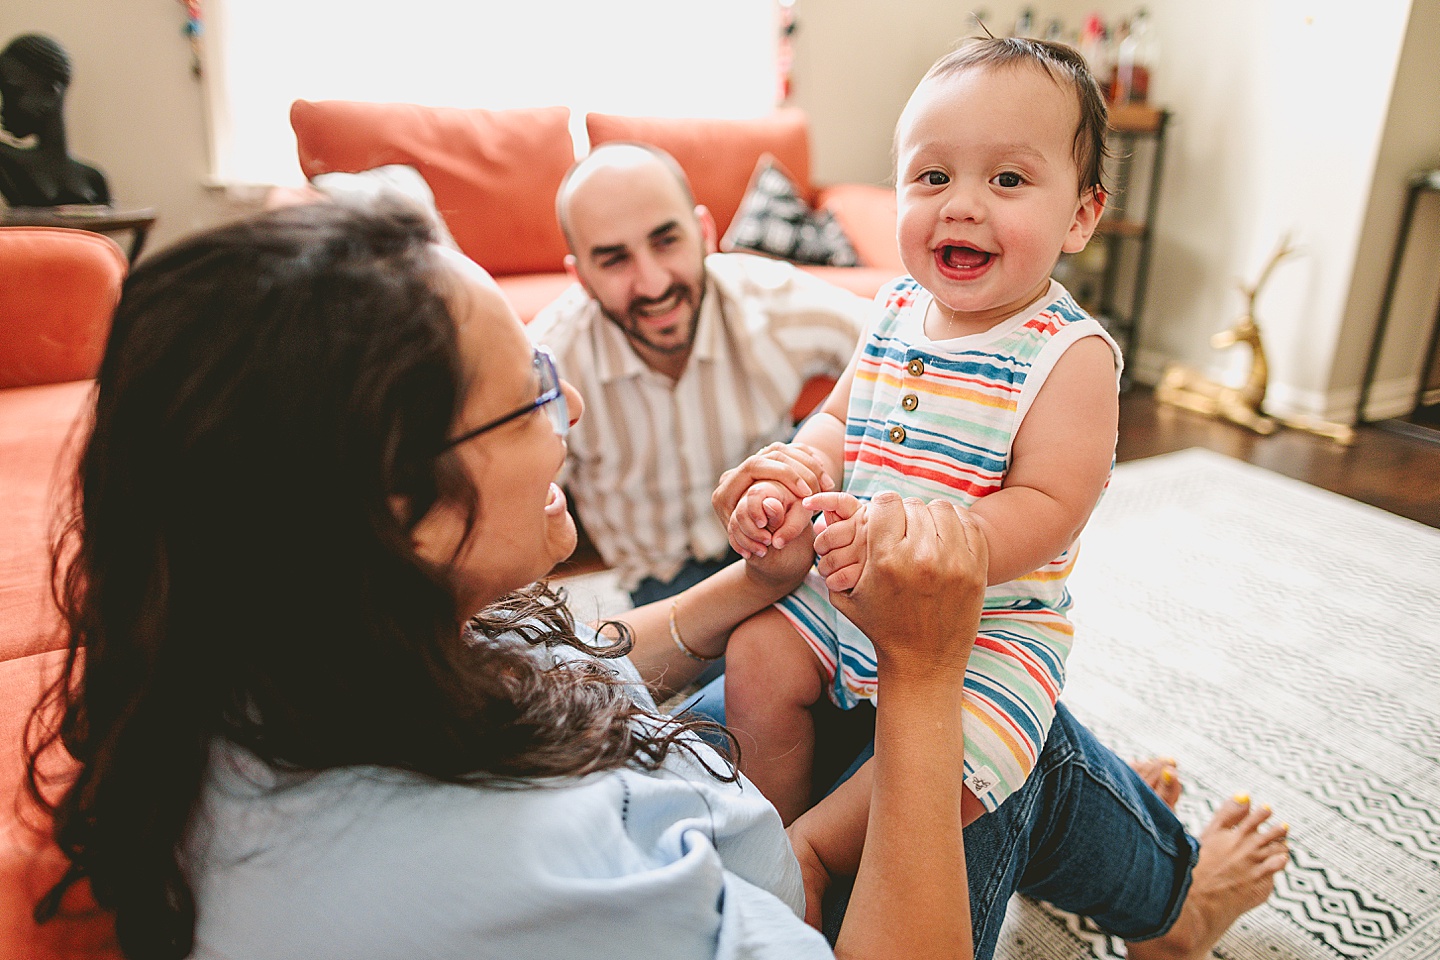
937,419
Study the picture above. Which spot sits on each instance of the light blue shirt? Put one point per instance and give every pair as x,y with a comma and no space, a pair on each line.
366,862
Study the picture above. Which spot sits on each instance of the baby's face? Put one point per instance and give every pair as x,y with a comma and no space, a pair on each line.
988,190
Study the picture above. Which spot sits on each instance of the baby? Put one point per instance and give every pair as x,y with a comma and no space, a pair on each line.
980,382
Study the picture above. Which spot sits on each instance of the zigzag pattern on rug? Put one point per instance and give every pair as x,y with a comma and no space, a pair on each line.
1277,639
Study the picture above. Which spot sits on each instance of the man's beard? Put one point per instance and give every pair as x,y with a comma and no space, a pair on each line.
632,322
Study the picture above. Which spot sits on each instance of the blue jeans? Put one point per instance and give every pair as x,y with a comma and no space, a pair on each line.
650,589
1084,832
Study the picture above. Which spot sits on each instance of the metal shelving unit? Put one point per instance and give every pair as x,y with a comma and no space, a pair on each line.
1111,281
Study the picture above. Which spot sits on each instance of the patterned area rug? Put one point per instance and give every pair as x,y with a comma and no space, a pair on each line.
1279,640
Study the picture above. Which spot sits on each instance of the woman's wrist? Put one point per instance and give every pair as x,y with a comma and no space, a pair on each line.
914,850
914,680
943,657
702,617
681,644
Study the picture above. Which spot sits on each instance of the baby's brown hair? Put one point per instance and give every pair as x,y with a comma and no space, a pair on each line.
1062,64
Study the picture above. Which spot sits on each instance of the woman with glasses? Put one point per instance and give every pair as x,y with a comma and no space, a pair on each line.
327,710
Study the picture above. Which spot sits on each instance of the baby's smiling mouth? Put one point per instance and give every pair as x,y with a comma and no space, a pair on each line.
963,257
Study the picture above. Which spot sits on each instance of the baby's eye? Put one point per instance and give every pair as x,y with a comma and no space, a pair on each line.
934,178
1008,179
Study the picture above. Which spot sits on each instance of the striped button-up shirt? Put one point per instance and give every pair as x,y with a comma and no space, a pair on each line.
649,451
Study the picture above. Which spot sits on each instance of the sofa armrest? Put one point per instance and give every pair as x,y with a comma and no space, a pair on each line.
58,287
867,215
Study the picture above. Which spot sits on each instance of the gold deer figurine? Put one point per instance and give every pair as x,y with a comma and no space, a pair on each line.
1186,388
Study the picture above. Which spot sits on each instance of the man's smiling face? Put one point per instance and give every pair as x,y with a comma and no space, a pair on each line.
639,250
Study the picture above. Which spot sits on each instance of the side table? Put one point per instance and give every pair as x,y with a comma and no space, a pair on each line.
95,219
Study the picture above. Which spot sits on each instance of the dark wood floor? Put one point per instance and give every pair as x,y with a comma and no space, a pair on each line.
1383,468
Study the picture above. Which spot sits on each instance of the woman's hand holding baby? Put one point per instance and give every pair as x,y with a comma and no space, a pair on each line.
921,581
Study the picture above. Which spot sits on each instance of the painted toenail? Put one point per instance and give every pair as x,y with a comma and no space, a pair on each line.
1241,798
1166,776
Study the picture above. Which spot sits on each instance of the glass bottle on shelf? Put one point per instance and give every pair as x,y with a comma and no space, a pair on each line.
1135,62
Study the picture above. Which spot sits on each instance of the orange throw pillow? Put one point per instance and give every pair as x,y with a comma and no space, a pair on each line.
494,173
718,155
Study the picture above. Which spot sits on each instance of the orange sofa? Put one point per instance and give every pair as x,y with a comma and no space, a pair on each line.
494,174
57,291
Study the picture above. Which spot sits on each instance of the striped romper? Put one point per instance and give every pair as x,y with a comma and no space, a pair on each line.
936,420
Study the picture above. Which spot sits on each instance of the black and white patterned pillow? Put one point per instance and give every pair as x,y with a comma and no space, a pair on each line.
773,219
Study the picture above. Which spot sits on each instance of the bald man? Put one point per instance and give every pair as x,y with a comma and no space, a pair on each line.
689,360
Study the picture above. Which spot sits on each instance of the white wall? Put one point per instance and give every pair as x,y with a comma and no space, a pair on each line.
482,57
1280,113
1411,141
856,62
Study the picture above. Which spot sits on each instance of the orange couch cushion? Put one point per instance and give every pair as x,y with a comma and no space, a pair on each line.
867,214
494,173
529,293
58,288
35,424
718,155
30,863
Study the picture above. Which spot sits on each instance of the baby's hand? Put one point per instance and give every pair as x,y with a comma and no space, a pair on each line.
758,520
840,547
785,569
758,500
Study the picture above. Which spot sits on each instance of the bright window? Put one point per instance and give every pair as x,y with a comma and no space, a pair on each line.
634,57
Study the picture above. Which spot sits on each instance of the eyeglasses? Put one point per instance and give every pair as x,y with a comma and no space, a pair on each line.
551,398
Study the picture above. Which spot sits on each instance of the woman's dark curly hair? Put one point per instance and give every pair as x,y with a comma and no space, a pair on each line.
234,567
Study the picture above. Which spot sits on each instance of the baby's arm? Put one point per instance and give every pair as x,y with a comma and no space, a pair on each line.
1059,464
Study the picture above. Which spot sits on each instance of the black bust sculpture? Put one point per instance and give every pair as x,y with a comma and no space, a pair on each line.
34,74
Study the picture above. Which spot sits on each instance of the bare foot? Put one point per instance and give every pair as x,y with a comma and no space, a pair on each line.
1160,775
812,874
1235,873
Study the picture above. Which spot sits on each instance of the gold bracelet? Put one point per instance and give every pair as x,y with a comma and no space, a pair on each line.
685,647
